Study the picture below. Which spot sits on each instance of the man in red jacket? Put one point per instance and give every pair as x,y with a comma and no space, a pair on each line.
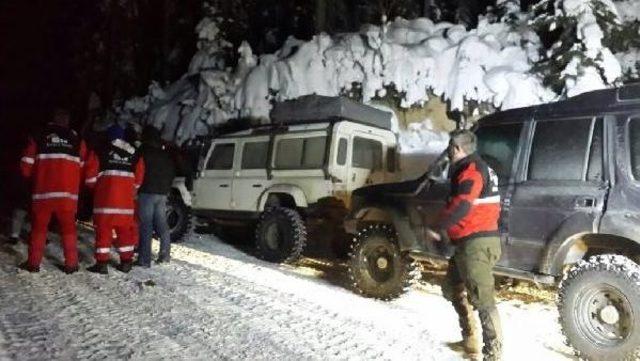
470,219
115,173
53,162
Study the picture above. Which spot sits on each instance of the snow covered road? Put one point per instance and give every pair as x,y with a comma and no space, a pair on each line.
215,302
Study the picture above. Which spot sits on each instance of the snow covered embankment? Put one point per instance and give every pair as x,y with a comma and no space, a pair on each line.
416,58
214,302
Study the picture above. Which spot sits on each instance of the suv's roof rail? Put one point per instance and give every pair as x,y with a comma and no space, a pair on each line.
623,98
316,108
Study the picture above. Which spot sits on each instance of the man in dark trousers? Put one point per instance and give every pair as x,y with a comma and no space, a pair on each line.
53,161
470,219
160,169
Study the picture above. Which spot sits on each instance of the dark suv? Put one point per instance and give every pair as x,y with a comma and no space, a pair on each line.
570,188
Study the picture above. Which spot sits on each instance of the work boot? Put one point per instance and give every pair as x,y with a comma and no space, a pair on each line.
491,334
100,267
467,321
13,240
124,266
163,259
29,268
139,263
68,269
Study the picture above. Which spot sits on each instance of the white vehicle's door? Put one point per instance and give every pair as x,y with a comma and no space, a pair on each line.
214,187
366,161
251,178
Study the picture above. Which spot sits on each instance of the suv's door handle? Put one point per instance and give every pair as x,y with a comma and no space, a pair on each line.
224,186
257,186
586,202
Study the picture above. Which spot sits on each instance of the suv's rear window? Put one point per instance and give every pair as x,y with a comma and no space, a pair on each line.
634,145
367,154
497,145
221,157
301,153
559,150
254,155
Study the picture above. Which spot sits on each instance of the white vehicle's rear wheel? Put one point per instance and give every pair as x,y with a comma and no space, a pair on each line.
280,235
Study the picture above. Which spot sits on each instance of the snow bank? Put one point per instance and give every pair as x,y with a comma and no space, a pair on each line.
629,10
414,57
417,58
582,78
630,62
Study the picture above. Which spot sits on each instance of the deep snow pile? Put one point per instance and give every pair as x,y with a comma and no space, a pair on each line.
411,59
602,69
487,64
628,12
416,58
214,302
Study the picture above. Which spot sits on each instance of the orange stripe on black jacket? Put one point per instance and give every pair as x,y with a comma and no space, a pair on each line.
473,208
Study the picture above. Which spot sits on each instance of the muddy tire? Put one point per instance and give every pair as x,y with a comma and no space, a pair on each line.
281,235
377,269
599,306
179,218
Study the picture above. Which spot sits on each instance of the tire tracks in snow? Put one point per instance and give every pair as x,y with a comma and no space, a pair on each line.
319,332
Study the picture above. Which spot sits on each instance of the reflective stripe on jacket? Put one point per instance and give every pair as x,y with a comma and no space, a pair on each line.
53,162
115,173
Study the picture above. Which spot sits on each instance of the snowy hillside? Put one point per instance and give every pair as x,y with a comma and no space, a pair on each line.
411,59
416,58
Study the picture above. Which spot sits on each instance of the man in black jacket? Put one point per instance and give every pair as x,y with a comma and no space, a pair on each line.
160,169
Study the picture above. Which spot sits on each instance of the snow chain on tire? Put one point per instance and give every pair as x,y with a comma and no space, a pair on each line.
599,307
377,269
290,230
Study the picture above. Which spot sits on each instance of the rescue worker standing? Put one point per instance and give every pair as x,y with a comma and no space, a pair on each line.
114,173
53,161
470,219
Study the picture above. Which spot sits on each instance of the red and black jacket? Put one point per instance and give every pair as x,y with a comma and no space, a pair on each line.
53,162
115,173
473,208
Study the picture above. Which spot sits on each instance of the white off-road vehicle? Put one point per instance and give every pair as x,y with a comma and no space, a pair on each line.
291,178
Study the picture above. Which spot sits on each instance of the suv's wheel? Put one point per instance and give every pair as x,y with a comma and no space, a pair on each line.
178,218
599,306
280,235
376,266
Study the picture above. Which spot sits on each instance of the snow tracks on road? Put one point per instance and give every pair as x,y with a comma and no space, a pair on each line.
215,302
212,302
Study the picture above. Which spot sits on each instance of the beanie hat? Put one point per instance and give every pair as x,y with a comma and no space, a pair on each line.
115,132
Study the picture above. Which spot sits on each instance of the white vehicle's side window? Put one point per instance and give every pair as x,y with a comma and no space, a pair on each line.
301,153
367,154
254,155
343,146
221,157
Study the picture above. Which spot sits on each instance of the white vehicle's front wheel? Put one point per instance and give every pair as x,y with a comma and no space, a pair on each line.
280,235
